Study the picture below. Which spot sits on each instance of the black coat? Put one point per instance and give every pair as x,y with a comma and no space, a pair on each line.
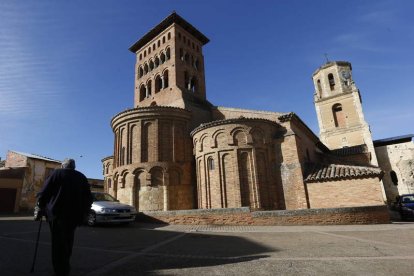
66,194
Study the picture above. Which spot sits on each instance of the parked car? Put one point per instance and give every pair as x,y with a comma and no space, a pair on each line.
404,204
106,209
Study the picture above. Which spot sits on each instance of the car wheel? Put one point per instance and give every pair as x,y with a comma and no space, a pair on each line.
91,219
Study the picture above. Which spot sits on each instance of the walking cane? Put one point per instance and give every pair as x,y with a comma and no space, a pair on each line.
37,243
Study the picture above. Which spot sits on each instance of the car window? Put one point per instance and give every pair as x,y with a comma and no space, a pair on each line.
408,199
102,197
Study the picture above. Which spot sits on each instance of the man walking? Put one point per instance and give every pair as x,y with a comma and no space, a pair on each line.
65,199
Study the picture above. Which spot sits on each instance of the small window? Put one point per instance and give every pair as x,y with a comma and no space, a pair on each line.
145,53
163,39
140,56
168,54
153,46
109,183
159,43
338,115
169,36
149,50
179,36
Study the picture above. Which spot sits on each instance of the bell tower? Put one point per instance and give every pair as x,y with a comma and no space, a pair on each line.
338,106
169,67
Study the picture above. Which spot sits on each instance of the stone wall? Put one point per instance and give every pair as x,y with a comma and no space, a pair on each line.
400,159
243,216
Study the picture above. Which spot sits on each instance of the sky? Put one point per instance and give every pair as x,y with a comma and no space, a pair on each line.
65,67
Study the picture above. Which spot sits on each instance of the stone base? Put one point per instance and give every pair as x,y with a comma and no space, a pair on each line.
244,216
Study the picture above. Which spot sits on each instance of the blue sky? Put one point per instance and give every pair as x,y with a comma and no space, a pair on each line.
65,68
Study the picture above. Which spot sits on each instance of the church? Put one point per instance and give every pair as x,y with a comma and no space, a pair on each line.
174,150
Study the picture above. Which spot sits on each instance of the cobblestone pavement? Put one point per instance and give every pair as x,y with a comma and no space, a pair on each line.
150,249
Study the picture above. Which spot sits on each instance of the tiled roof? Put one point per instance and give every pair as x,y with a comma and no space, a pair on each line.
324,172
393,140
35,156
172,18
350,150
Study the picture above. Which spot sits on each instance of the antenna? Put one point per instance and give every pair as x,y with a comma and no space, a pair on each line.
326,56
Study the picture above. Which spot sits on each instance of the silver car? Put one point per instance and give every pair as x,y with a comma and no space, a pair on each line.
106,209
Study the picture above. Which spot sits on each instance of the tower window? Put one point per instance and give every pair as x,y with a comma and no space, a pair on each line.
156,62
179,36
169,36
163,39
145,69
165,79
158,84
338,115
318,83
149,50
140,57
140,72
331,82
151,65
181,54
168,55
193,84
162,58
394,178
159,43
145,53
153,46
142,93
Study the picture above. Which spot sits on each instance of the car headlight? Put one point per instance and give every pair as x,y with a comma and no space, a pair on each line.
108,210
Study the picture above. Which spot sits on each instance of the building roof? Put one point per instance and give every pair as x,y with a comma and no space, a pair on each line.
350,150
325,172
172,18
14,173
35,156
393,140
331,63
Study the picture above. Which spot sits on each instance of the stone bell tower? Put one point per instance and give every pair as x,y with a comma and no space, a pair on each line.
169,67
339,108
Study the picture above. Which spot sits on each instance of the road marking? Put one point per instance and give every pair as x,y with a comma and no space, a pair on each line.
362,240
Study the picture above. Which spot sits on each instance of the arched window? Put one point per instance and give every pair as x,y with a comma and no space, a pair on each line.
163,39
145,69
151,65
156,62
140,56
153,46
331,81
168,55
394,178
338,115
159,43
165,79
140,72
162,58
109,183
186,81
149,50
149,86
181,54
193,84
196,64
142,93
169,36
145,53
158,84
318,83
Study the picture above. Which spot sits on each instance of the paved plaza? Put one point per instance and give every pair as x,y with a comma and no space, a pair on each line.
145,249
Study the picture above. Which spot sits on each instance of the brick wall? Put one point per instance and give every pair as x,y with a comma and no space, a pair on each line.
243,216
345,193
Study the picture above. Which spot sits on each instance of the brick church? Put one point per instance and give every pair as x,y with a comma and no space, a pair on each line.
174,150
